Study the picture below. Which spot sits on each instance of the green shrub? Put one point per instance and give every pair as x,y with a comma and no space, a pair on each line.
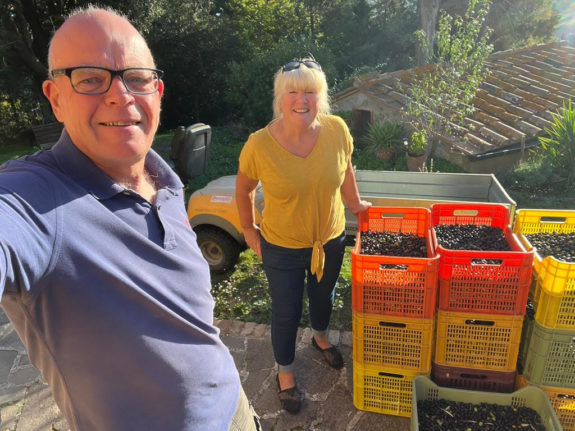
560,142
251,82
16,116
382,136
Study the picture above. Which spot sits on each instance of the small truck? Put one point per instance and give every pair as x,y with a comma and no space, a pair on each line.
213,213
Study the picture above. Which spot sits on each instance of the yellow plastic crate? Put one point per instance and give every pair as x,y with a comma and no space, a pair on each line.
383,390
562,400
553,288
478,341
395,342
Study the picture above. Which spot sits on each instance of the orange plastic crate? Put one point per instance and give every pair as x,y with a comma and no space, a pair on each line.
478,341
553,290
562,400
395,285
383,390
396,342
477,281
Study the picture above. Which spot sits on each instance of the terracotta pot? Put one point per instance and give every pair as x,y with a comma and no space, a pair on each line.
384,154
416,163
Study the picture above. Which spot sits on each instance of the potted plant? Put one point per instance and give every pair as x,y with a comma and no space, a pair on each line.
417,150
383,139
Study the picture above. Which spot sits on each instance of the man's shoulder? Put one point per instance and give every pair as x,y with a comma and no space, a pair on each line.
30,172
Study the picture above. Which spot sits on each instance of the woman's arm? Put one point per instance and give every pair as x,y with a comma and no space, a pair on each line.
350,192
245,194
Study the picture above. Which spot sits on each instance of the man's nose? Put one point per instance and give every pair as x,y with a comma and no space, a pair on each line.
118,91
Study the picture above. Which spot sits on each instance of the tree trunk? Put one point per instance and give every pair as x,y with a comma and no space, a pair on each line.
428,11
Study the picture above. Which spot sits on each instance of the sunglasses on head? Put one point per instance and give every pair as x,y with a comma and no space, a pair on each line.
295,64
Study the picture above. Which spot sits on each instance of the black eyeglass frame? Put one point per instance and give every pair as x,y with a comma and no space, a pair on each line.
296,63
113,73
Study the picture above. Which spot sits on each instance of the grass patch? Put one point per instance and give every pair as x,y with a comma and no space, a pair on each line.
242,294
15,151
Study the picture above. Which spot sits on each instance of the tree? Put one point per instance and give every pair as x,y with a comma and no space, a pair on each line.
427,12
259,25
251,81
441,96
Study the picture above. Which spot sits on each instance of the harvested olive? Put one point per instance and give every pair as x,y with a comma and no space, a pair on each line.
392,244
471,237
559,245
444,415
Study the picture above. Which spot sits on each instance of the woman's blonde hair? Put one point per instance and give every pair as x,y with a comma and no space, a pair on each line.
302,78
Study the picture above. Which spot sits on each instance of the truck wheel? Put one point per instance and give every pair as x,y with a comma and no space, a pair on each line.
219,249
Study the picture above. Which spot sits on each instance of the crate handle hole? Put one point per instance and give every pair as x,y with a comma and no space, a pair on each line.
392,215
392,324
473,376
566,396
553,219
395,376
469,212
496,262
392,266
479,322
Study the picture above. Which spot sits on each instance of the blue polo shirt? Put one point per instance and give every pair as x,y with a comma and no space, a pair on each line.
111,296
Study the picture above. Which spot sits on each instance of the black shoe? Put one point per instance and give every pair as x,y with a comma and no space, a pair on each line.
290,398
331,355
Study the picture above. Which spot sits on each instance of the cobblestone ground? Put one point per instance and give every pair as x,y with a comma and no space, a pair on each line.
26,402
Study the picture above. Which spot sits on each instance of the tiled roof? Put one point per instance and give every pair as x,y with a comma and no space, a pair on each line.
514,103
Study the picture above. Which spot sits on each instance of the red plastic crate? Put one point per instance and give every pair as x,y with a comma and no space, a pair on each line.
467,282
395,285
476,380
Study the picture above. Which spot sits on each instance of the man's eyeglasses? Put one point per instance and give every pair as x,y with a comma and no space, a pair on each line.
95,80
295,64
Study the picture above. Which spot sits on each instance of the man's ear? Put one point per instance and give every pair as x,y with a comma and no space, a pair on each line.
52,93
161,88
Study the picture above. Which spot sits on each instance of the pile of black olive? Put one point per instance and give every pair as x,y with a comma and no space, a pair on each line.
559,245
392,244
443,415
471,237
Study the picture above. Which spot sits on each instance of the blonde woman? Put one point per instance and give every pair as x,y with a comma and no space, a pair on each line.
303,160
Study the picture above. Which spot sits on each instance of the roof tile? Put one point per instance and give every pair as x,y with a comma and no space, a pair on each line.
514,103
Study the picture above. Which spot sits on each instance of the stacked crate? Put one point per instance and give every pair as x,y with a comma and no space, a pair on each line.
393,304
481,303
547,354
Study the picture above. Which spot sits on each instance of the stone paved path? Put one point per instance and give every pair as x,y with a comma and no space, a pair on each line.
26,402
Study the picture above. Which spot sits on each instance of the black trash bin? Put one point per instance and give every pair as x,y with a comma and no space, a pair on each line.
189,150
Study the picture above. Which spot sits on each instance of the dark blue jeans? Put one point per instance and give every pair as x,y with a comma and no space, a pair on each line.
287,270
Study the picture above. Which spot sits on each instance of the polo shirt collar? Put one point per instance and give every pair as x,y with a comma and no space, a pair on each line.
77,165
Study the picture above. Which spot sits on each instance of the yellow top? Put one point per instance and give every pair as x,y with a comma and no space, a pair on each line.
302,199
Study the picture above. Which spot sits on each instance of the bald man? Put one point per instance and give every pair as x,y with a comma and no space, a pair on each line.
100,272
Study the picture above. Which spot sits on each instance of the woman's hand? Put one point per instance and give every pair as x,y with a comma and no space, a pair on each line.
361,206
253,240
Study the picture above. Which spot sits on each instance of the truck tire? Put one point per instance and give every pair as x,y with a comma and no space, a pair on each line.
218,248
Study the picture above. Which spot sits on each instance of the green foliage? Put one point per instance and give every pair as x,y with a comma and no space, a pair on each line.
417,143
222,158
518,23
259,25
15,151
441,97
189,43
251,82
386,136
15,117
243,294
561,142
